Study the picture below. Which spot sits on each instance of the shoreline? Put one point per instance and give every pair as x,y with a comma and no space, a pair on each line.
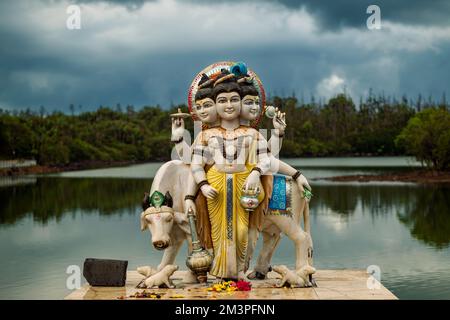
42,169
415,176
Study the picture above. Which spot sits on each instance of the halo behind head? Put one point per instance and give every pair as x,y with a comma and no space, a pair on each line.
214,71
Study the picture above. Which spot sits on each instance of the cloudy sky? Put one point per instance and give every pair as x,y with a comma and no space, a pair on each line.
147,52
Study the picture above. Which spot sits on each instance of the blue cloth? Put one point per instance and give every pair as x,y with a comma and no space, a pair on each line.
278,198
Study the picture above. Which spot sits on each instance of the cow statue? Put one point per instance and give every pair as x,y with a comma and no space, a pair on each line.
164,213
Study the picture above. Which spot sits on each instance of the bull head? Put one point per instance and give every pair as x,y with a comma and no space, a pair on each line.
158,216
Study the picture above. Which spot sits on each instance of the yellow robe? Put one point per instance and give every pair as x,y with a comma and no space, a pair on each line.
229,222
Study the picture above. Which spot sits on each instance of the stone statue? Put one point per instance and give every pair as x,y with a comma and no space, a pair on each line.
228,179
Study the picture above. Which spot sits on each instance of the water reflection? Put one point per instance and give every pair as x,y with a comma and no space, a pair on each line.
340,199
423,209
429,217
56,222
52,198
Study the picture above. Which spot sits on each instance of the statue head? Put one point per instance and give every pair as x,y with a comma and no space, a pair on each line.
227,96
250,101
250,105
205,107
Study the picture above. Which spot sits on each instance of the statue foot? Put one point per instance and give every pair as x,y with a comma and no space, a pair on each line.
256,275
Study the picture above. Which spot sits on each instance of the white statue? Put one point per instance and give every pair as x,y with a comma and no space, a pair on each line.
232,165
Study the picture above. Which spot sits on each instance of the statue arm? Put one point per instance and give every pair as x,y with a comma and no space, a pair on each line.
276,139
263,156
191,191
275,142
199,159
182,147
200,156
277,165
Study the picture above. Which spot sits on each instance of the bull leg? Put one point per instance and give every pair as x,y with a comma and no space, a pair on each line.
270,242
253,236
304,251
310,259
302,244
169,254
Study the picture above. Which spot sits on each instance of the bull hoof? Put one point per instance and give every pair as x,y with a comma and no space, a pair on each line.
141,285
255,275
312,281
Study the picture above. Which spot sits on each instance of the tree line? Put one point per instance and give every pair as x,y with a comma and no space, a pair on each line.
379,126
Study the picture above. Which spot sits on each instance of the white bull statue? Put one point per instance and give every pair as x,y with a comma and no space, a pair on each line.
169,225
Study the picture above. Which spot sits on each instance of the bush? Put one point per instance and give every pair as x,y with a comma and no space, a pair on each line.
54,152
427,137
81,151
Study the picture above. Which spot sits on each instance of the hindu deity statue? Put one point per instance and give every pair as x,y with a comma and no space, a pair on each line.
230,159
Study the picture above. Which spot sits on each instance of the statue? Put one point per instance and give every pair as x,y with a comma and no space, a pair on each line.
238,157
228,178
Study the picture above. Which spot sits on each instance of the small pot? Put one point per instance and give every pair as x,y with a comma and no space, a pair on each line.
249,199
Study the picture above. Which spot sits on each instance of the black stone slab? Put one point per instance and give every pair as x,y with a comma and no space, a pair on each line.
105,272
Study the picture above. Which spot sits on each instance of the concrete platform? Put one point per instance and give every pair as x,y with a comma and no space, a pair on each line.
331,284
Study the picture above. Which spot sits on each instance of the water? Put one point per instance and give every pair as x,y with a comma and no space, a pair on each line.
50,222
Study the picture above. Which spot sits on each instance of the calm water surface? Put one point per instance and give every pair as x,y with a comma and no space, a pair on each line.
50,222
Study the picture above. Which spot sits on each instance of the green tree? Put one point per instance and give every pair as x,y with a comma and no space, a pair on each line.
427,137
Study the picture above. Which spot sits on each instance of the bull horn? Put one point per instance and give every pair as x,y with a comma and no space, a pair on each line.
168,201
145,201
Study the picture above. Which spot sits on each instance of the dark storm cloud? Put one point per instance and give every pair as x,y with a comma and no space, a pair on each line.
337,14
129,4
334,14
147,53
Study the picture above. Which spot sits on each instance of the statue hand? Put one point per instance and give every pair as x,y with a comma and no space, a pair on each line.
208,191
252,180
177,129
302,180
278,120
303,183
188,203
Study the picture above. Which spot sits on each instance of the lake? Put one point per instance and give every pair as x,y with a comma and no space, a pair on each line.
48,223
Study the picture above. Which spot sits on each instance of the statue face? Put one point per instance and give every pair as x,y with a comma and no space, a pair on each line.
206,110
228,105
250,107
